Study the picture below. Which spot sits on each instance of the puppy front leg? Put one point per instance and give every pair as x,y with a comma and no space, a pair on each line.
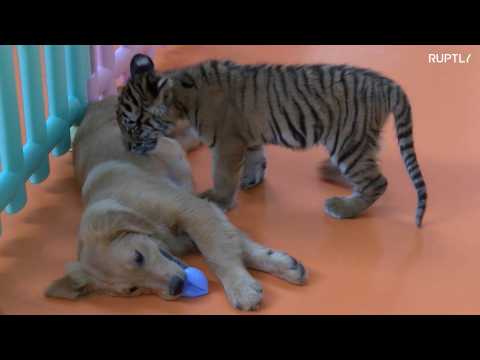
277,263
221,245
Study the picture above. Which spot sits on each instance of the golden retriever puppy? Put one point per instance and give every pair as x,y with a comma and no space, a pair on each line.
141,214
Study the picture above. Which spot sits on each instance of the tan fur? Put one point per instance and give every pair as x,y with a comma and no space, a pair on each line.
236,108
147,204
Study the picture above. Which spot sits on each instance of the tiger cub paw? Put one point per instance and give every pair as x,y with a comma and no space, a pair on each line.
223,203
345,207
253,174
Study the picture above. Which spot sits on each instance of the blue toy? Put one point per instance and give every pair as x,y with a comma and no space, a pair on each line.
196,283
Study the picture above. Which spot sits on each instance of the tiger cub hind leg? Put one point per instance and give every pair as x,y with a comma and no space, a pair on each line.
331,174
368,185
254,168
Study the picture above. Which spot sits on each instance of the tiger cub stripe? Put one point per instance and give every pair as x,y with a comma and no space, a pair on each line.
238,107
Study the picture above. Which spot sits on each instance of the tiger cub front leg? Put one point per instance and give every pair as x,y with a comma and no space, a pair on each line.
228,160
254,169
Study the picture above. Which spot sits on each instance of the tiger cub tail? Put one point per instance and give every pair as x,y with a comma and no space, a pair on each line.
402,112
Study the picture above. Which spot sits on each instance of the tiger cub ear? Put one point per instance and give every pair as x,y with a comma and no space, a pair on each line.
141,64
165,90
187,82
120,90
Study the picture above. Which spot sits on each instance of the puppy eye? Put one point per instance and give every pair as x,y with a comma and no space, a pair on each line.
132,289
139,258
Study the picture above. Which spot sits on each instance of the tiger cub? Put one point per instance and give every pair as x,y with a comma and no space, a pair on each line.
236,109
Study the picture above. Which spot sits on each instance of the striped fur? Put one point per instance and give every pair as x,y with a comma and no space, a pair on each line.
239,107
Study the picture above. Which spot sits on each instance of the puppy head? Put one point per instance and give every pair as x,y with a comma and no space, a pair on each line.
130,265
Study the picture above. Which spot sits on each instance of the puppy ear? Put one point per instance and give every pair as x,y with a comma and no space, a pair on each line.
74,284
141,64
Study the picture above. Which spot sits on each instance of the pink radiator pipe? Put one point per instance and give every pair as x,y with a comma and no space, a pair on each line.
108,65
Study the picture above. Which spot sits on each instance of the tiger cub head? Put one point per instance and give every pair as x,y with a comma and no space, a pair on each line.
146,106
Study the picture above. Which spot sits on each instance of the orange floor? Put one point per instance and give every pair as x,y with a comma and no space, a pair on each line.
377,264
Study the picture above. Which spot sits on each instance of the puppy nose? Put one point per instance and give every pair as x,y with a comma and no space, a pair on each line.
175,286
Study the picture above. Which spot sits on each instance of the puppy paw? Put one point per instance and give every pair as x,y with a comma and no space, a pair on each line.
286,267
244,293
